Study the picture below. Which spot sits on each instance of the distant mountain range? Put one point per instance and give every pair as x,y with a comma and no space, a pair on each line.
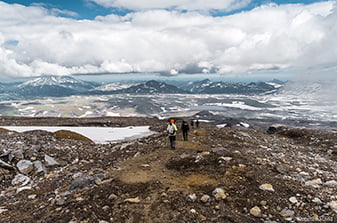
149,87
208,87
60,86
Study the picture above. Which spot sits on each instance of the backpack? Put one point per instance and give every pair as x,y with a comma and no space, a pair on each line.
171,129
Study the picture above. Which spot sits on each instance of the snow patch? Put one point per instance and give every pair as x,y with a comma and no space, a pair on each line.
100,135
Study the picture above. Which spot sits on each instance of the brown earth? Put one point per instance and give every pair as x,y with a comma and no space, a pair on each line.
144,181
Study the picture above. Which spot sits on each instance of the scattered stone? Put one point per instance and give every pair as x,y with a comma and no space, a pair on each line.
6,165
132,200
202,218
297,159
106,208
25,166
293,200
40,168
263,203
226,159
79,199
112,197
314,183
18,190
193,211
275,128
333,205
81,182
84,181
50,161
20,180
32,196
163,194
287,213
302,173
267,187
256,212
192,197
205,198
137,154
220,150
59,200
331,183
3,209
219,194
17,154
269,221
317,200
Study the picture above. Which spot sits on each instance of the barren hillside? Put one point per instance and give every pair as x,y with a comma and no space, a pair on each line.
229,174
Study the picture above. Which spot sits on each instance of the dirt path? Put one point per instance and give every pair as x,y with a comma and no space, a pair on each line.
152,166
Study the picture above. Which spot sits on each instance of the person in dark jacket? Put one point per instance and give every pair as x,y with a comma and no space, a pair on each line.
197,123
192,123
185,128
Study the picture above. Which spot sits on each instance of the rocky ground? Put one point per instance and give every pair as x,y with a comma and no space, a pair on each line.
230,174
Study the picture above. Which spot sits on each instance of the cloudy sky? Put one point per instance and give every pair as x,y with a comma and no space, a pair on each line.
228,37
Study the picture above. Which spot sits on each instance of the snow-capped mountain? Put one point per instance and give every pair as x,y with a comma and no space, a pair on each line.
53,86
59,86
209,87
151,87
112,87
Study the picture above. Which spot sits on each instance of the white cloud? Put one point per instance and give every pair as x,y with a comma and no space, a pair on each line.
56,12
200,5
268,37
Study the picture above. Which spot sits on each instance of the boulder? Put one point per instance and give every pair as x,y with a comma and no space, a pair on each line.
20,180
85,181
82,182
267,187
40,168
25,166
275,128
219,194
314,183
6,165
333,205
50,161
256,212
287,213
205,198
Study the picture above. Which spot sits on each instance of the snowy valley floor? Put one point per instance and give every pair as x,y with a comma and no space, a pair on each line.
228,174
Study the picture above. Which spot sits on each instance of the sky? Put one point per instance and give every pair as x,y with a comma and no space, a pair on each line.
271,38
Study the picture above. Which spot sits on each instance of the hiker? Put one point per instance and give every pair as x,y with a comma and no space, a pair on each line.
185,128
172,132
192,123
197,123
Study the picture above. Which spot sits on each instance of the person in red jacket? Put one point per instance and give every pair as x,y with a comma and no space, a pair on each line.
172,132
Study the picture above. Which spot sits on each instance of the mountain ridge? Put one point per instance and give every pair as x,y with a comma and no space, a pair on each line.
59,86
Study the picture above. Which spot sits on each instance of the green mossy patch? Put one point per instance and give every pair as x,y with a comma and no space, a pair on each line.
5,130
66,134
